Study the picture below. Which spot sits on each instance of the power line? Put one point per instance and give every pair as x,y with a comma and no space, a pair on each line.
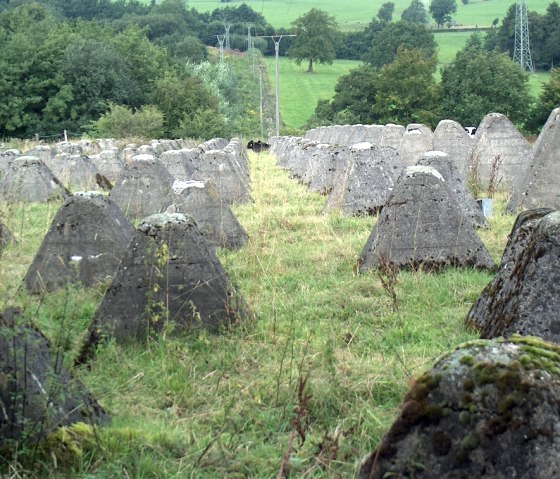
276,39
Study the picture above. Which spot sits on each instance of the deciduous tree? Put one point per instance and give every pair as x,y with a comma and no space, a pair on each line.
317,33
407,91
415,12
400,34
442,10
478,82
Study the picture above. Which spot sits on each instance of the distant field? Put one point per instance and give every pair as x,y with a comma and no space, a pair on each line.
300,91
357,14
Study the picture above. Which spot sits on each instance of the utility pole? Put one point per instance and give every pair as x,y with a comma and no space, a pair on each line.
261,99
221,39
521,51
276,39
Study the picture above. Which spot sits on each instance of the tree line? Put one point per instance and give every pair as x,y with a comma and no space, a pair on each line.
92,65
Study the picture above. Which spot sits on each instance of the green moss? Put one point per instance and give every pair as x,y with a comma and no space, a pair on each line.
470,441
509,402
467,360
485,373
422,386
464,417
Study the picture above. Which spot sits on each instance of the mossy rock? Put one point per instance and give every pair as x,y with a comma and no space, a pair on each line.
489,409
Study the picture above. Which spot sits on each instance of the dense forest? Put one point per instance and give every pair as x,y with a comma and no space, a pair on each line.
87,65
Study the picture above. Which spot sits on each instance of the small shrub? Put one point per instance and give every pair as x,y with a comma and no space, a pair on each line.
121,121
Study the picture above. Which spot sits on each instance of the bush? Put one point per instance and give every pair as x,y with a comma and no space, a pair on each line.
121,121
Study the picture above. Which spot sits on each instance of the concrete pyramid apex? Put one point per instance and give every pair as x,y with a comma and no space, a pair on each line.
500,154
524,297
415,141
169,279
422,226
142,187
451,137
84,244
27,179
540,185
214,218
457,182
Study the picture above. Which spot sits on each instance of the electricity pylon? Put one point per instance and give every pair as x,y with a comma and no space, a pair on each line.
521,51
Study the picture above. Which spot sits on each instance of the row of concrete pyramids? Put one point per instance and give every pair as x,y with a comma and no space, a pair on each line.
205,190
498,154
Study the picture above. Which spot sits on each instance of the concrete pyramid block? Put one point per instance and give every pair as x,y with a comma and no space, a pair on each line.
178,163
457,182
85,243
169,279
488,410
392,135
363,184
75,172
451,138
226,171
214,218
37,393
28,180
416,140
109,163
142,187
422,226
501,153
540,184
323,164
524,297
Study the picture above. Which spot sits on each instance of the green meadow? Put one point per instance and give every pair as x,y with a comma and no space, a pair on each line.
300,91
355,15
306,389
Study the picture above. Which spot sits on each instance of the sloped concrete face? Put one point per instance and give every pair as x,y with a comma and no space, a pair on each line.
74,171
109,163
142,187
416,140
540,185
500,155
170,279
213,216
524,297
214,144
489,410
364,184
457,182
323,166
392,135
28,180
422,226
178,164
451,138
37,394
230,180
84,245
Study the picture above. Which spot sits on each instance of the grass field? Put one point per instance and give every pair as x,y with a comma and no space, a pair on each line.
355,15
300,91
215,406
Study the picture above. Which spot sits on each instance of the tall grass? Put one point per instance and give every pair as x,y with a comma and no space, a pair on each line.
227,405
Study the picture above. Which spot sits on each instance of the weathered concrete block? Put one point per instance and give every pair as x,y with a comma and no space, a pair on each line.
489,409
85,243
422,226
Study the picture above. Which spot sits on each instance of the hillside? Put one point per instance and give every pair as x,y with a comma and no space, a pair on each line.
356,15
